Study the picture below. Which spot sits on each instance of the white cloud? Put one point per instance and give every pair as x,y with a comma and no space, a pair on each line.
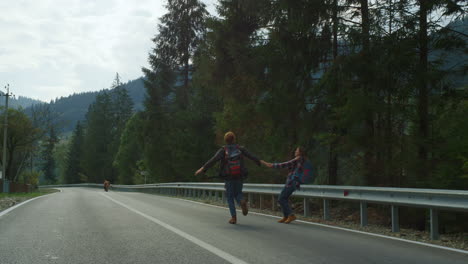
53,48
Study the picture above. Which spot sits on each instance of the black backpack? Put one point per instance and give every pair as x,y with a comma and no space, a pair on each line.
233,162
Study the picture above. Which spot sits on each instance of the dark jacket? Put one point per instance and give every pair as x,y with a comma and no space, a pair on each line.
219,156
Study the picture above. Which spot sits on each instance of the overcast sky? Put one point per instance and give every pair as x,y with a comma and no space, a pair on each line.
54,48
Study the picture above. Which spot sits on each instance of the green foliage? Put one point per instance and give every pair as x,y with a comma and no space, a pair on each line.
130,151
21,136
451,151
30,177
48,166
74,157
60,157
274,73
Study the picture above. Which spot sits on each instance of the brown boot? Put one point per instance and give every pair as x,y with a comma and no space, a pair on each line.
283,219
245,209
233,220
290,219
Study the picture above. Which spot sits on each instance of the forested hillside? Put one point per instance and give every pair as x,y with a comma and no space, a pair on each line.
19,101
73,108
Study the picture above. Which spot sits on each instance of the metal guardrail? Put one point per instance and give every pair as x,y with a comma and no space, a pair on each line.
432,199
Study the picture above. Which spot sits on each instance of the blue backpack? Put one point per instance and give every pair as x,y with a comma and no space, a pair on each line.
304,172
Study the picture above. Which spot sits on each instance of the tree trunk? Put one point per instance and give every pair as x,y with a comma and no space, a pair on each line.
423,129
369,155
333,154
186,83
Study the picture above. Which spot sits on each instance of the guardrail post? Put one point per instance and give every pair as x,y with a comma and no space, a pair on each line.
434,214
250,199
306,207
273,202
224,197
395,219
261,201
363,214
326,209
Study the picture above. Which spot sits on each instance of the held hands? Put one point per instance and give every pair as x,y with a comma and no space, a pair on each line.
199,171
269,165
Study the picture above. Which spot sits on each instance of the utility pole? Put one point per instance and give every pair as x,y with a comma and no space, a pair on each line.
5,129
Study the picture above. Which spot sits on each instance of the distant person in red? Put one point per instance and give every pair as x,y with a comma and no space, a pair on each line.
299,169
106,185
233,171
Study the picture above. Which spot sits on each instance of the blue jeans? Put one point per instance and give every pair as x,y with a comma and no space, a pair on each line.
233,192
284,197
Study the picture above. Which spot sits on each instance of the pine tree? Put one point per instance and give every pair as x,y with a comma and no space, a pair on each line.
74,168
180,32
130,150
98,158
48,164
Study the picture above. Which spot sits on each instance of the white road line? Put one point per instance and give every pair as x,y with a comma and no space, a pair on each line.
2,213
218,252
341,228
18,205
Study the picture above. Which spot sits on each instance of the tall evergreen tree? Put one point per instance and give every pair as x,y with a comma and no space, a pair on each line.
74,169
130,151
179,35
48,163
98,158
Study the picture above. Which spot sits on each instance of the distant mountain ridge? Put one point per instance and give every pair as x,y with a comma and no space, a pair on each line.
19,102
73,108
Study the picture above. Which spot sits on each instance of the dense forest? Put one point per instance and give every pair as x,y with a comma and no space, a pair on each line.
375,90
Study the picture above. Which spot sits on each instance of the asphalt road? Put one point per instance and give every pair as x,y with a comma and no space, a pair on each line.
80,225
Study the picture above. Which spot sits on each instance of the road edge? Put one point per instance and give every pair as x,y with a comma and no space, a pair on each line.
6,211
